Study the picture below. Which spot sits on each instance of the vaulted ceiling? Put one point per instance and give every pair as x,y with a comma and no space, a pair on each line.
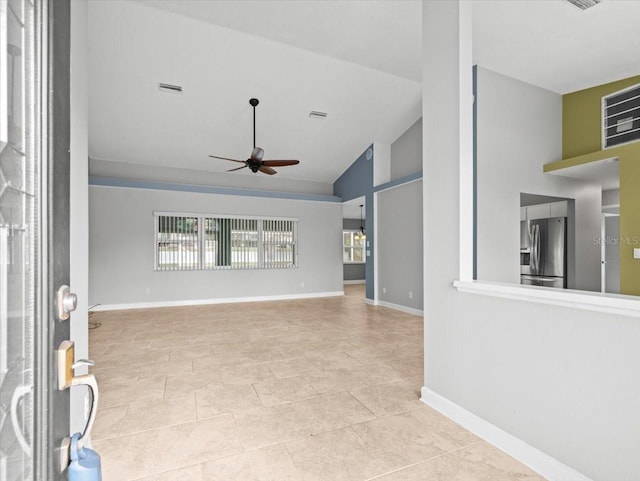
359,61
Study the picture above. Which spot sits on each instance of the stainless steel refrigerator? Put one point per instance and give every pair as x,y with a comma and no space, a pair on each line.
543,252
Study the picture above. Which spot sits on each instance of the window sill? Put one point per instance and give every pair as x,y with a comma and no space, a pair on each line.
591,301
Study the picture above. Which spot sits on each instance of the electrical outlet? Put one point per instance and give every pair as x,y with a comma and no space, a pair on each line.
384,290
410,295
148,290
636,253
302,284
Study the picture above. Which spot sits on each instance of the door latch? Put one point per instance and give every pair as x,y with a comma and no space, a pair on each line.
66,303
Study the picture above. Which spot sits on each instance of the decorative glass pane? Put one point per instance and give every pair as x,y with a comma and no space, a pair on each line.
346,255
357,254
19,238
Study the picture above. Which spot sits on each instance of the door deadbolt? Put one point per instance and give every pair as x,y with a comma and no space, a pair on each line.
67,302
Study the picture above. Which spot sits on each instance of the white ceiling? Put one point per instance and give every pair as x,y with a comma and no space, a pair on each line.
555,45
357,60
133,47
383,35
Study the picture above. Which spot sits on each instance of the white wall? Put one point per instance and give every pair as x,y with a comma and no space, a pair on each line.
406,152
519,130
563,380
79,187
400,245
122,248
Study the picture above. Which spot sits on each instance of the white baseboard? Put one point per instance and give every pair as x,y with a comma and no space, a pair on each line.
397,307
356,281
199,302
542,463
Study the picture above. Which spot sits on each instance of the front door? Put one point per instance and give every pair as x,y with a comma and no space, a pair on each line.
34,233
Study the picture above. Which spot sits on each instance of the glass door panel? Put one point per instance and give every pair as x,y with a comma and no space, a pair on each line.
19,218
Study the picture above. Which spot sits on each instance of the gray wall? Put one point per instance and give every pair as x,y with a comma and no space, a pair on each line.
406,152
563,380
509,162
353,272
122,248
400,245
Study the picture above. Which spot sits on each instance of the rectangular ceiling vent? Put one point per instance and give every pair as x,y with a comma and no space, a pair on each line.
318,115
621,117
174,89
584,4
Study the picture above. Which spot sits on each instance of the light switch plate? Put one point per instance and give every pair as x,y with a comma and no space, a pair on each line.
636,253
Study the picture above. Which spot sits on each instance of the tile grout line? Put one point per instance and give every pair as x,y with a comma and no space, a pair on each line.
421,462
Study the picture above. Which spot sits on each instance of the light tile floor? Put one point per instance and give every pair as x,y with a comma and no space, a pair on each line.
309,390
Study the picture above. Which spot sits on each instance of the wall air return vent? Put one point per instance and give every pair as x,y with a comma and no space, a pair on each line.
621,117
314,114
172,89
584,4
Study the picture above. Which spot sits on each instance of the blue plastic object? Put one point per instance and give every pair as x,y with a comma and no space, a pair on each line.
85,463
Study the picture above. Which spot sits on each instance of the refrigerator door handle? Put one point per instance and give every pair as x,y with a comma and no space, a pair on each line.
538,248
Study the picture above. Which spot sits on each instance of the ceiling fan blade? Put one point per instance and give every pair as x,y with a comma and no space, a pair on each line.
280,163
238,168
257,153
267,170
226,158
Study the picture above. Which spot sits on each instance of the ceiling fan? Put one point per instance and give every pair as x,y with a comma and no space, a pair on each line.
255,162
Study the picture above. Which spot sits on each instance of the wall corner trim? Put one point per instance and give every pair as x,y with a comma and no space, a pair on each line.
542,463
200,302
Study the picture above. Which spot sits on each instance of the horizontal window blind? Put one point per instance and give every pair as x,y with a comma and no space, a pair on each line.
224,242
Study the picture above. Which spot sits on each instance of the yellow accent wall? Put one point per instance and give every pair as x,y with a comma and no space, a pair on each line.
582,117
582,143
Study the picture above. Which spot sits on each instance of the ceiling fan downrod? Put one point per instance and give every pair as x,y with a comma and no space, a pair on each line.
254,103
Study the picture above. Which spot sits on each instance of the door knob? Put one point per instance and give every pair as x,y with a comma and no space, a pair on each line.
67,302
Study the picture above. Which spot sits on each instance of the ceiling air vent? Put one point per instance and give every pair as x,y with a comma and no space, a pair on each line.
173,89
584,4
621,117
314,114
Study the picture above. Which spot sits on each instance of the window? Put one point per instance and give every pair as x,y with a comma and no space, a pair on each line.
353,245
621,117
224,242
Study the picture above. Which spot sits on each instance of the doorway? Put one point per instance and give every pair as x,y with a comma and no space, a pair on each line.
354,239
